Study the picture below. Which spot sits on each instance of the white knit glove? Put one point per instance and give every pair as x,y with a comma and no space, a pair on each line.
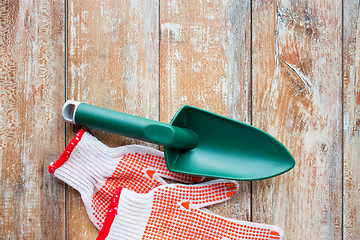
96,171
174,212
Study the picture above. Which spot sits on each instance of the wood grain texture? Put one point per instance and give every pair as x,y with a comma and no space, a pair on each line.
297,84
112,62
205,62
31,132
275,64
351,62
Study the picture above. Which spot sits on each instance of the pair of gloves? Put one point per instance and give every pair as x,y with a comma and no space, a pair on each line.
126,196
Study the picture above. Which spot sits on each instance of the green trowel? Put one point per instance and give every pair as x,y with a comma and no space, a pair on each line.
195,142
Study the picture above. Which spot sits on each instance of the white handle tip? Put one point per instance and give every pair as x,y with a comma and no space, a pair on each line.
69,110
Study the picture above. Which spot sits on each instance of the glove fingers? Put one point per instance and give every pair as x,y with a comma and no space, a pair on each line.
180,177
204,194
156,168
151,163
161,173
178,205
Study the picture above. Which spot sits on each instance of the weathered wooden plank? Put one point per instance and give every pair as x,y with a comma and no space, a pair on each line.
31,132
351,118
205,62
297,98
113,63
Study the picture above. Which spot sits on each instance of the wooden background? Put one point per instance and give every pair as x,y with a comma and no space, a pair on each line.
288,67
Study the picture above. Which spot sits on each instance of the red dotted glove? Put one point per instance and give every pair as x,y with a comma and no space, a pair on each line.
174,212
96,171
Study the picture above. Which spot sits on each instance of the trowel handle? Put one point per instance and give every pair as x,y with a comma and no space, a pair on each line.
128,125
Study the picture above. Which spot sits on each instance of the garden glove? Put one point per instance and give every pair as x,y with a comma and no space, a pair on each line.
175,212
96,171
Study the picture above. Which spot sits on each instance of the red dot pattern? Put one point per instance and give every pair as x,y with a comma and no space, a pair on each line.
130,173
170,220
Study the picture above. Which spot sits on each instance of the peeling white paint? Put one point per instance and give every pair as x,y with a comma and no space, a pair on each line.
183,99
74,20
196,66
174,31
84,19
173,7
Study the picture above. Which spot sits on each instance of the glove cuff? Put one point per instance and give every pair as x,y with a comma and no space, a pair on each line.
127,215
85,164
